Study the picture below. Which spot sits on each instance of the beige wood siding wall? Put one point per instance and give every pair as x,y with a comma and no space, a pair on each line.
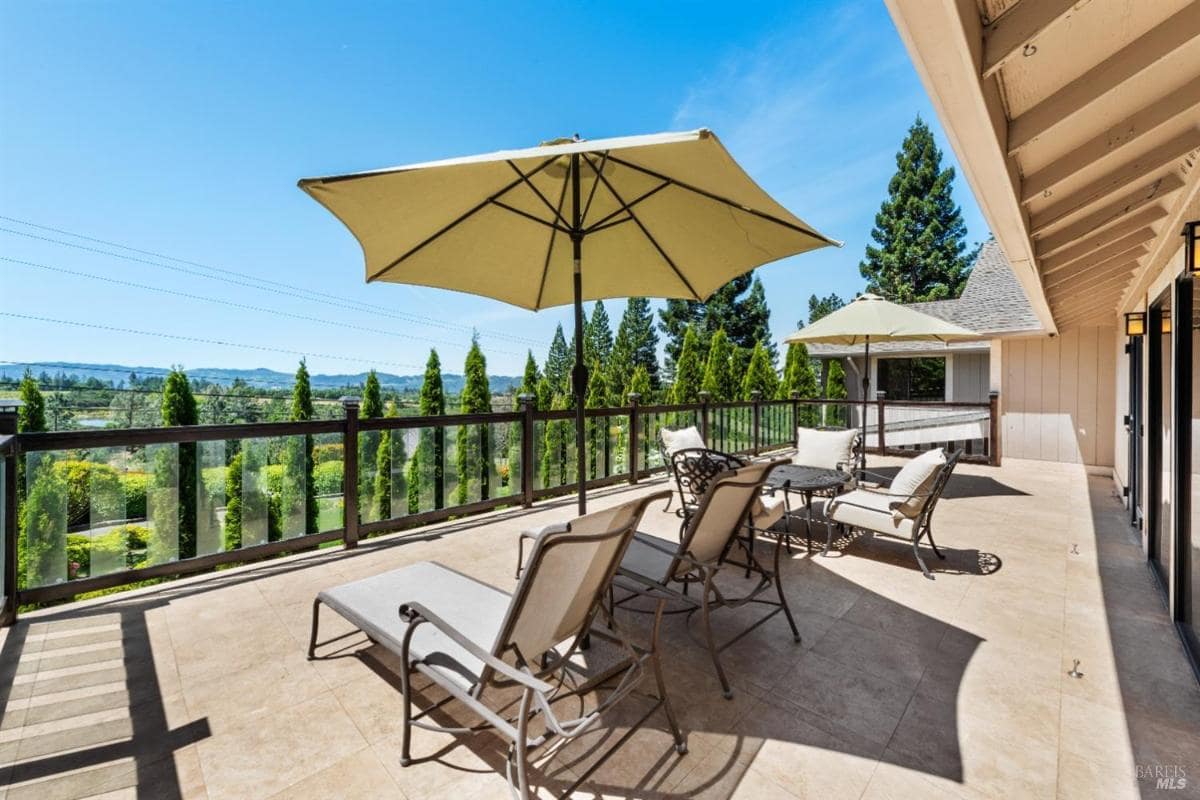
1059,396
970,380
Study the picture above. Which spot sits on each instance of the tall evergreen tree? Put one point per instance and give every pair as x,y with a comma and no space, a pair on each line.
597,427
636,346
798,373
822,306
178,408
559,362
760,375
639,383
529,380
31,416
689,370
835,389
368,446
428,464
558,469
719,379
383,467
739,307
598,338
920,248
300,452
472,455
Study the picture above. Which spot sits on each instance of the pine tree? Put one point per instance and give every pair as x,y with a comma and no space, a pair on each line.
719,379
559,362
558,469
472,455
300,466
739,308
760,375
598,339
800,378
597,427
835,389
819,307
689,370
639,383
372,401
179,408
636,345
529,380
31,416
919,230
383,467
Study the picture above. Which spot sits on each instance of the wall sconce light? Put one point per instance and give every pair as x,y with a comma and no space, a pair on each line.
1164,324
1135,323
1191,242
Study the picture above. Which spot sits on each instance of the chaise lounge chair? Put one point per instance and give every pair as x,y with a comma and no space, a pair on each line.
468,637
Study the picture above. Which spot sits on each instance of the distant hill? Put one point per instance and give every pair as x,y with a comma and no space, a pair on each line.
261,378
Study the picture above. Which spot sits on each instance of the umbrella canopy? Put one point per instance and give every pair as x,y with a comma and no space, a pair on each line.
667,215
870,318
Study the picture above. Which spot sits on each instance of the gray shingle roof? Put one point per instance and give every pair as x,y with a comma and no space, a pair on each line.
992,302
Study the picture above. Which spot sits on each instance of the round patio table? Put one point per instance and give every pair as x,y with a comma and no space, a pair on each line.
807,482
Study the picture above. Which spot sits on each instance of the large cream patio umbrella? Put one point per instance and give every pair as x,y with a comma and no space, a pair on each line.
870,318
667,215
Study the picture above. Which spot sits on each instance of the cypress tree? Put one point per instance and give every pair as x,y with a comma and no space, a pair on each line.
472,455
529,381
233,503
559,362
383,467
835,389
636,345
431,454
760,375
639,383
557,468
597,427
689,370
179,408
754,319
799,377
31,416
920,248
299,455
719,379
368,446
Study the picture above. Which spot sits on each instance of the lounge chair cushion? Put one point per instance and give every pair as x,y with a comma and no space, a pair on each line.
473,608
682,439
825,449
912,484
767,510
864,509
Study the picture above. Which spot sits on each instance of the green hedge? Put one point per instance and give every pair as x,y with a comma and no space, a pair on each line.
127,543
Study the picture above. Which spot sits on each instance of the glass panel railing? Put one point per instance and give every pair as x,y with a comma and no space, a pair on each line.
212,463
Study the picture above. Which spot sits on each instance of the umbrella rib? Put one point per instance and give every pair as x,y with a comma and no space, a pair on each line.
529,216
725,200
588,205
646,233
600,224
562,196
540,196
462,218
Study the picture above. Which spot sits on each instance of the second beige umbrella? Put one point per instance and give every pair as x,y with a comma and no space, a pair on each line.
870,318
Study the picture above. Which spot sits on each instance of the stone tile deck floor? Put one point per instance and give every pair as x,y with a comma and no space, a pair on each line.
902,687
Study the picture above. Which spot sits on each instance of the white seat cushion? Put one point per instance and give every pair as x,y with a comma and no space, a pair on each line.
914,482
682,439
471,607
767,510
869,510
824,449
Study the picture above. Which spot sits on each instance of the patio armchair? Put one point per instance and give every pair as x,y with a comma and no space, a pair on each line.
655,568
904,510
471,639
671,441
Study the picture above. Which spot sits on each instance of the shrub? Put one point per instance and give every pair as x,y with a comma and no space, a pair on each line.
323,453
125,545
85,479
135,485
329,477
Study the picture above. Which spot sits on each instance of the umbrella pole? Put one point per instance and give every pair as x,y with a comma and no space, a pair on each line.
866,385
579,376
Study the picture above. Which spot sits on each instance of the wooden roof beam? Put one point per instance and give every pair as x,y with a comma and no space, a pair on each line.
1086,287
1067,313
1110,184
1133,59
1185,101
1105,312
1019,26
1090,243
1050,240
1111,267
1122,245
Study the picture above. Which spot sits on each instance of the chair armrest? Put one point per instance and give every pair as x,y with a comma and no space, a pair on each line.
415,614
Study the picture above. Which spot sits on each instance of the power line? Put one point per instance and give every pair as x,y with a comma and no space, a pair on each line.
220,301
152,372
199,340
292,291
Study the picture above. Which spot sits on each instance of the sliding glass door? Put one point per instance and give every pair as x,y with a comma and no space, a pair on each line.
1187,323
1161,445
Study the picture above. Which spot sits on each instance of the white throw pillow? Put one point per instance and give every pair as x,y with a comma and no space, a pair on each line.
683,439
825,449
915,478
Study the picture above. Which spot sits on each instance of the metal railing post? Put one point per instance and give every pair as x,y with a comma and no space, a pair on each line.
527,430
634,397
756,398
795,419
705,398
994,432
8,427
350,473
880,406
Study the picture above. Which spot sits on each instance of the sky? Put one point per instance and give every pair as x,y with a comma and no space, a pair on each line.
156,148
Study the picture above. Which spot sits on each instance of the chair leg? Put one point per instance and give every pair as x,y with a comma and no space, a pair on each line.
406,718
312,641
921,561
726,689
521,747
936,552
787,611
680,743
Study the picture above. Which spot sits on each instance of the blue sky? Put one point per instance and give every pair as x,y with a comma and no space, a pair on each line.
180,129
